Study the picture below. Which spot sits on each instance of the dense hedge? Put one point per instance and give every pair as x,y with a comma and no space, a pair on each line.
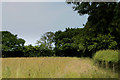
108,59
37,51
107,55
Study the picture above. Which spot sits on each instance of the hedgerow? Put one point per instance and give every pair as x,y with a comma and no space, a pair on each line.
108,59
107,55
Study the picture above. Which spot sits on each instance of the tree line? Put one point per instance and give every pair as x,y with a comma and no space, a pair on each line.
101,31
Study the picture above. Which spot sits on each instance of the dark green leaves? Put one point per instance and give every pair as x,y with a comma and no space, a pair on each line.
11,44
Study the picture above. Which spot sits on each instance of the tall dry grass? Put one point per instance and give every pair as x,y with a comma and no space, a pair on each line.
53,67
0,68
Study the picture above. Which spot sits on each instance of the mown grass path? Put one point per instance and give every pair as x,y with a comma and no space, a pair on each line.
53,67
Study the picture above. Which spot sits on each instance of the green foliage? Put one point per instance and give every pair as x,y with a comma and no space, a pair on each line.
45,51
10,40
107,55
102,42
11,44
81,47
82,43
47,40
103,19
31,51
64,45
106,42
37,51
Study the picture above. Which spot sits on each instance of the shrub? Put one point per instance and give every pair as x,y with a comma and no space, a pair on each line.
107,55
108,58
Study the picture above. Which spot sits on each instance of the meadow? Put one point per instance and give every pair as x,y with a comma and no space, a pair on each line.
53,67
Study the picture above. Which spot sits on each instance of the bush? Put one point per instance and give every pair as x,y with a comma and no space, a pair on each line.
107,55
37,51
108,59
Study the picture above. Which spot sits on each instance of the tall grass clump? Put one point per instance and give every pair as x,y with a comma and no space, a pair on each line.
108,59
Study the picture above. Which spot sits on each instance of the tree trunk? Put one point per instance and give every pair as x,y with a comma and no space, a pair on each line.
106,64
103,64
113,67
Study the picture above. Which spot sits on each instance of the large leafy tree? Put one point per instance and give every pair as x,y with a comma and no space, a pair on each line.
64,45
102,29
11,44
46,44
104,18
46,40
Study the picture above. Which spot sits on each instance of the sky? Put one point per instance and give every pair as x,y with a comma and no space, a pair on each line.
30,20
0,16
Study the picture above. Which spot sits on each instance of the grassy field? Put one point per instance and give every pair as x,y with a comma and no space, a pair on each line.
53,67
0,68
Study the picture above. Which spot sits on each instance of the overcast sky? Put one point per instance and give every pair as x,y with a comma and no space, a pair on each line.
0,16
29,20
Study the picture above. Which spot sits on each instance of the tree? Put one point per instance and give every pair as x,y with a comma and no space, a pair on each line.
89,45
102,29
11,44
64,43
47,40
32,51
103,18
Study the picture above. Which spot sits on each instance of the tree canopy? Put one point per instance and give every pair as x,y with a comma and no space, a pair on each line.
11,43
46,40
104,18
